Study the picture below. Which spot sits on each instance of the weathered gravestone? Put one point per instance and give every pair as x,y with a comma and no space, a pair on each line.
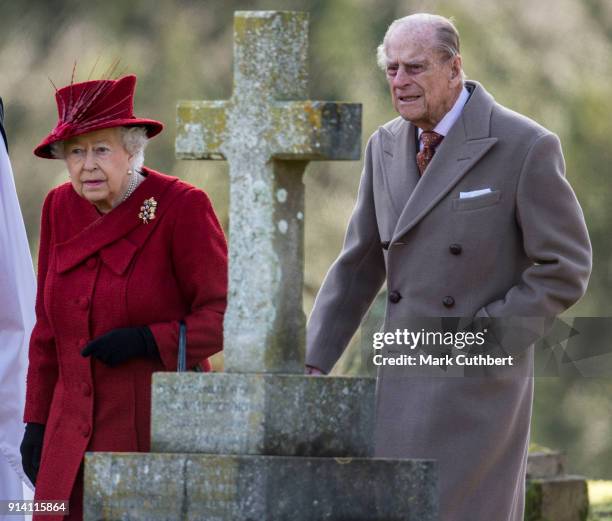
551,494
262,441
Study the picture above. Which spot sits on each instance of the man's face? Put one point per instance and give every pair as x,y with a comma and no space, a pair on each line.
424,86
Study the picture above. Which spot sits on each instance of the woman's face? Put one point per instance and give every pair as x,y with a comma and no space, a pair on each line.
98,166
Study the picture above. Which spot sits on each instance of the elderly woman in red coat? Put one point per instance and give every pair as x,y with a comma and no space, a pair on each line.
126,253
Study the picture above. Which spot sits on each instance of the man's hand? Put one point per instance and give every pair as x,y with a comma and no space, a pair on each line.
313,371
31,449
119,345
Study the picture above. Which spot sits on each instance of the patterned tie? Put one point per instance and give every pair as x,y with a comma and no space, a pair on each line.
430,140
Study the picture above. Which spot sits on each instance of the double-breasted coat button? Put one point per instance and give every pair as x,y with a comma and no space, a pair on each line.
385,245
85,430
83,302
91,263
448,301
455,249
395,297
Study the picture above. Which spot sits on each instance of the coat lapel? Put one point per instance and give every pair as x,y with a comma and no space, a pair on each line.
399,160
107,234
466,143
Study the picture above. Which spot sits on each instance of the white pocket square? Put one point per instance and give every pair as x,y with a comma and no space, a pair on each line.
474,193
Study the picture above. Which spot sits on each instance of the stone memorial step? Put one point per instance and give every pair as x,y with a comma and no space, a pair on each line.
284,415
156,487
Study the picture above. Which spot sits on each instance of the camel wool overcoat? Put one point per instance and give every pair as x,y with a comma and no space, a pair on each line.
516,246
98,273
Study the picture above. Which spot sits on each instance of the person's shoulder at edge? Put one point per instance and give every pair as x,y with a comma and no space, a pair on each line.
58,195
186,192
520,126
393,126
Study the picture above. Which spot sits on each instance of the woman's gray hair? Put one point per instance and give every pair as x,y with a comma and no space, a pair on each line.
134,140
446,35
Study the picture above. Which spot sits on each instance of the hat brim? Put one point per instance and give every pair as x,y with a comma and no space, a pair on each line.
153,128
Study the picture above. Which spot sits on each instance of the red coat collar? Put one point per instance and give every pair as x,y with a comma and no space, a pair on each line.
106,235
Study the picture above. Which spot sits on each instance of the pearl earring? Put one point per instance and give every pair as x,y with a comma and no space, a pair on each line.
130,171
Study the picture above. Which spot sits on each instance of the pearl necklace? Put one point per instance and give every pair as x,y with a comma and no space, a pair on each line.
135,178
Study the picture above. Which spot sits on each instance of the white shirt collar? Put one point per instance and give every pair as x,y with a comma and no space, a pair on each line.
445,124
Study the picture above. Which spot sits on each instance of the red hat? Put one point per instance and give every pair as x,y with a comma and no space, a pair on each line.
94,105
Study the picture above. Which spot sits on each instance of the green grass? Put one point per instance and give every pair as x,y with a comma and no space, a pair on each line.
534,447
600,497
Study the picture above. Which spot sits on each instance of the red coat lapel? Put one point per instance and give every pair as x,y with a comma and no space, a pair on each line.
106,235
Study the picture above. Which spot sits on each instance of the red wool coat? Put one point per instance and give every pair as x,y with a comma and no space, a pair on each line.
96,274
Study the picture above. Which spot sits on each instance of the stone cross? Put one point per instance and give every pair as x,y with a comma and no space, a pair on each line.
267,131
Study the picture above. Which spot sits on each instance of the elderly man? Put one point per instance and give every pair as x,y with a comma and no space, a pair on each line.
464,209
17,292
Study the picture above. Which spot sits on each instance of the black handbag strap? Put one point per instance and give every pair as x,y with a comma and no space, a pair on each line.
182,348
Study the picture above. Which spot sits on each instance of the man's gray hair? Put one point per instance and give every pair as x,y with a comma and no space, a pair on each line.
446,35
134,140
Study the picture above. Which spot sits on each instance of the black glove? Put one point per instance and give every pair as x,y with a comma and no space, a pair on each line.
119,345
31,449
